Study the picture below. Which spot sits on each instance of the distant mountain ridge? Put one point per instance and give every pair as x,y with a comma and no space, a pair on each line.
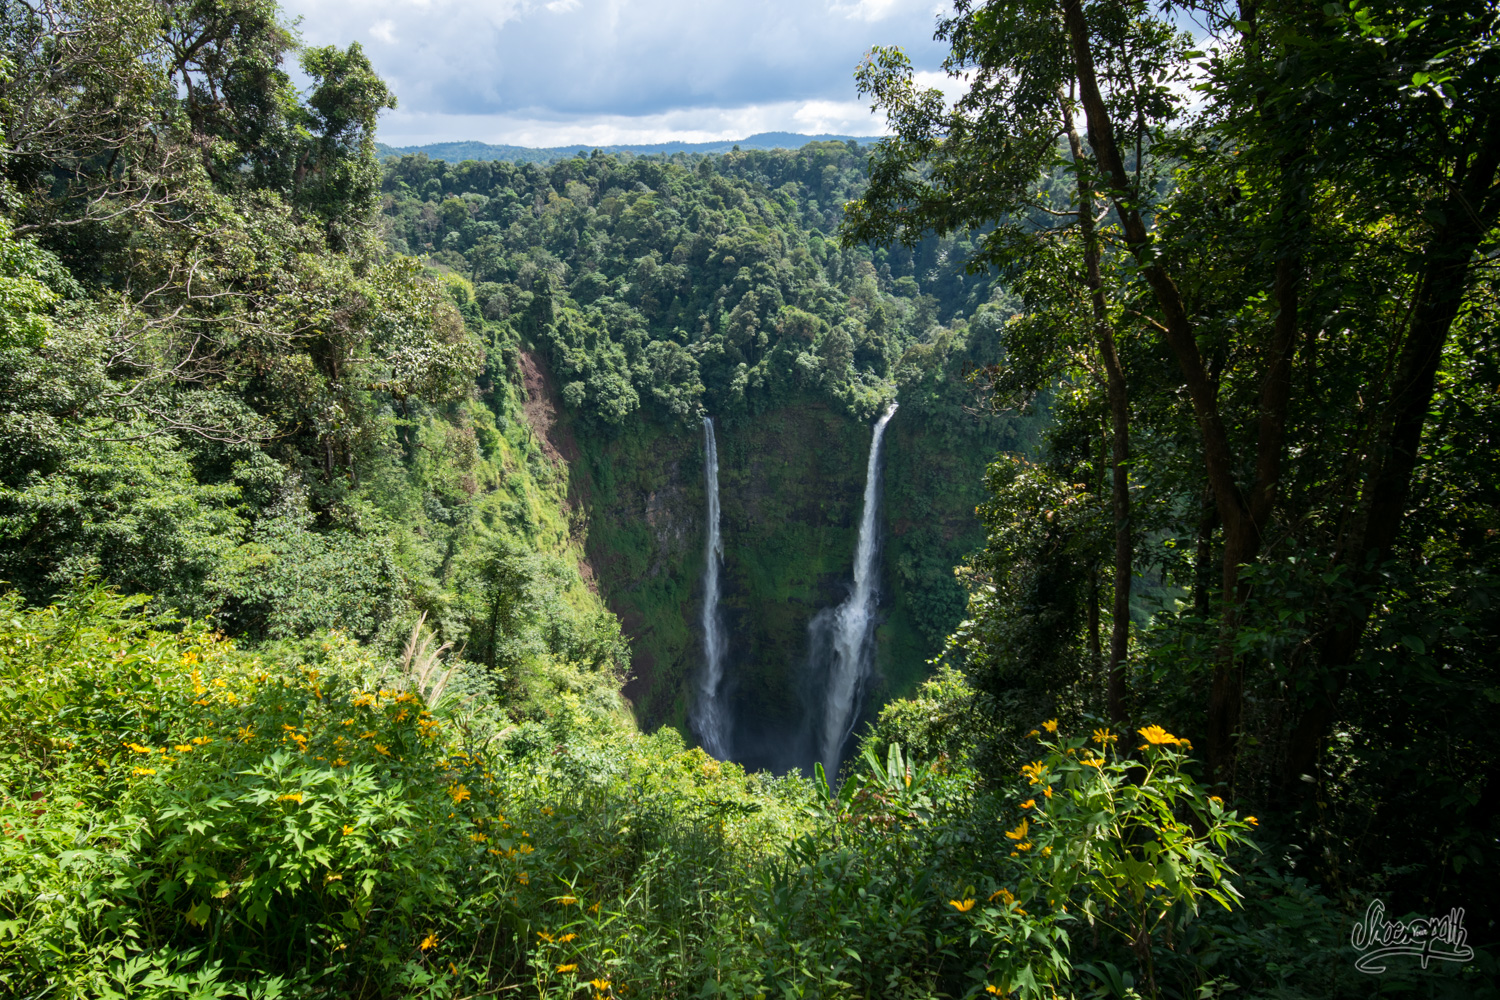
455,152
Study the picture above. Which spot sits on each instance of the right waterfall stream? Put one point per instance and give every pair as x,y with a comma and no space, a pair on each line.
850,628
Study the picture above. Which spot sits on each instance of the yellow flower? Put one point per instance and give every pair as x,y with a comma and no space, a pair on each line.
429,942
523,878
992,989
1019,833
1034,732
546,810
594,908
1050,725
567,900
1003,895
1158,736
478,838
962,906
246,734
1216,799
367,736
1034,772
545,936
1252,821
566,938
201,740
1092,762
142,770
599,984
1028,803
1046,852
182,747
1025,845
139,749
381,748
348,831
339,762
1047,792
570,967
1104,737
458,793
291,797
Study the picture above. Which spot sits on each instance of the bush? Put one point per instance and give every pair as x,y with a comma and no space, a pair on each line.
182,816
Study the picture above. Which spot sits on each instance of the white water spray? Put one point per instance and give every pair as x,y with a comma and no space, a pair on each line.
853,624
709,718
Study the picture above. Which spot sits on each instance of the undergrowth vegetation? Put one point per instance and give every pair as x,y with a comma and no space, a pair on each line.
185,817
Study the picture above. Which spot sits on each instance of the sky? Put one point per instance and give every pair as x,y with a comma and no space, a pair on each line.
609,72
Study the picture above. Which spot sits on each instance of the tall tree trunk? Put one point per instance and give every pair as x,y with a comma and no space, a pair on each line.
1203,558
1471,211
1242,518
1119,426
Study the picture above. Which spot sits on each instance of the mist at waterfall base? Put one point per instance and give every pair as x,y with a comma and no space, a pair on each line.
830,685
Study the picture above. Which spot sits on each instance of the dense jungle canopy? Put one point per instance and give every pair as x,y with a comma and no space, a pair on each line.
351,521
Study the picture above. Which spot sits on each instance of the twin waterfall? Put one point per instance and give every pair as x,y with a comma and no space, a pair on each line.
709,717
841,640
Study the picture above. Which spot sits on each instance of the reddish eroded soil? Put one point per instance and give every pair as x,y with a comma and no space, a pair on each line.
543,408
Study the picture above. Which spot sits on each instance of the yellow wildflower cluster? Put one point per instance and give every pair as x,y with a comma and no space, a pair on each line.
962,906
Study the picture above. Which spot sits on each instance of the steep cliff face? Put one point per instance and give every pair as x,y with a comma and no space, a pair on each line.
791,484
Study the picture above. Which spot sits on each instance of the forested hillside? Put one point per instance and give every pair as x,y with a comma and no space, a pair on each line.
647,292
355,520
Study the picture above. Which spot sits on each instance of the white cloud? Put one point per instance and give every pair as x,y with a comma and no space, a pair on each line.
581,70
952,87
404,128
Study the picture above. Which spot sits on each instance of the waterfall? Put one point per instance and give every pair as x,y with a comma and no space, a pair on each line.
709,718
852,626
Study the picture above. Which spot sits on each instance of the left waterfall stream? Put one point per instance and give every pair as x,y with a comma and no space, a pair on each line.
709,719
